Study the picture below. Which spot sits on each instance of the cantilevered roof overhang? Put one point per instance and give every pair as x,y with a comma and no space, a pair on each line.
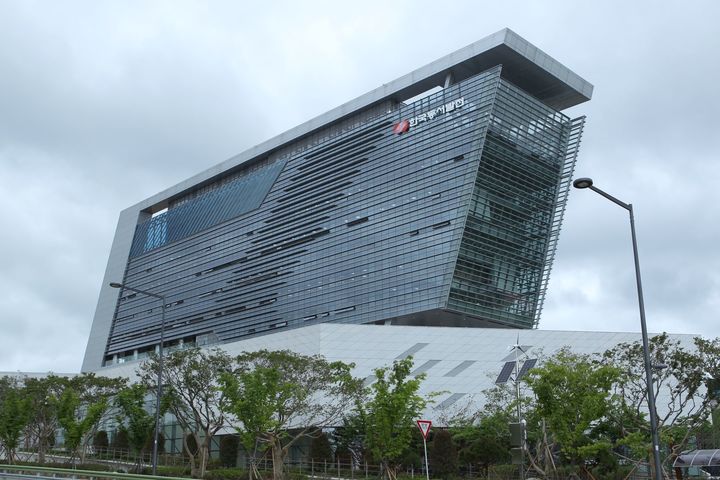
523,64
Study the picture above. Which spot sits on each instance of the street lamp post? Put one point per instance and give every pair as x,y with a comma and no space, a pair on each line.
158,392
588,183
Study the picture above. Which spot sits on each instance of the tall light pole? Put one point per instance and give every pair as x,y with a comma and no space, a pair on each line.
158,392
588,183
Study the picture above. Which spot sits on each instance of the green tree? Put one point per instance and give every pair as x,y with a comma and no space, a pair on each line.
279,397
709,352
14,415
78,420
485,441
139,422
349,438
390,413
190,392
443,455
44,396
572,396
681,384
83,404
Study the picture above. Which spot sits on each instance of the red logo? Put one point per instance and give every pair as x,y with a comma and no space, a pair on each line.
403,126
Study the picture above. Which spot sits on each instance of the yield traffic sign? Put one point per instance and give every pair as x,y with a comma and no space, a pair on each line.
424,426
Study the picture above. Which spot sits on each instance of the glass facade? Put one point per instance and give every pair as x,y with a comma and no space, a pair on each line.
515,212
442,212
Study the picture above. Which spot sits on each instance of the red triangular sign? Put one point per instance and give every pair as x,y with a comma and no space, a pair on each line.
424,426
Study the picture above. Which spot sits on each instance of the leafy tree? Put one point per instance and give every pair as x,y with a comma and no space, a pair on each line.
92,388
78,420
83,404
501,408
14,415
413,455
709,352
705,436
190,393
279,397
486,441
139,423
572,396
43,394
681,384
389,415
349,438
132,412
443,455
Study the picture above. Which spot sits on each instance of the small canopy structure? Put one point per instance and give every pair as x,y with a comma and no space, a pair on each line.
698,458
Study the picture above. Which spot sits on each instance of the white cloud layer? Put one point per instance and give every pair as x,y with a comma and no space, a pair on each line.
105,103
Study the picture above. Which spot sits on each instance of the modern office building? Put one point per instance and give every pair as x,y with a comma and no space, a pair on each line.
397,208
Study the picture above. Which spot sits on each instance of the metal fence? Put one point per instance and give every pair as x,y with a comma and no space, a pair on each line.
126,461
24,471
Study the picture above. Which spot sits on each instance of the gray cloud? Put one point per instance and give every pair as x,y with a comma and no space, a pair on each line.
103,104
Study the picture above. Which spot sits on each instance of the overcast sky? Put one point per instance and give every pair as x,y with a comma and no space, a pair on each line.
104,103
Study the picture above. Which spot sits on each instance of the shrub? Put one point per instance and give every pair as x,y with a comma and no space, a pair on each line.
412,459
100,441
168,471
229,450
443,455
226,474
120,441
296,476
504,471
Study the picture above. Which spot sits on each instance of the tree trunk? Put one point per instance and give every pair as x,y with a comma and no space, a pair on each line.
253,472
194,470
278,458
191,457
203,457
674,448
389,472
41,451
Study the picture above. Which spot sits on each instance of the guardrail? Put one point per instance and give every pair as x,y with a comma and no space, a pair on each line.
53,472
110,456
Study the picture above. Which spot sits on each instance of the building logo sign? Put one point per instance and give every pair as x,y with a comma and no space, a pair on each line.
404,126
401,127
